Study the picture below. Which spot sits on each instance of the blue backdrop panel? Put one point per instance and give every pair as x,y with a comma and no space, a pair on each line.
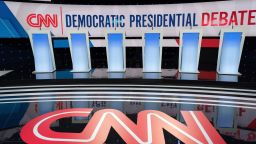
115,48
6,29
80,53
44,61
12,114
230,53
152,53
46,107
189,52
9,25
60,43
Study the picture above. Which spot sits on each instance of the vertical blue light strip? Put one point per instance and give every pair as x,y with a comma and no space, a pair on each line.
115,104
80,104
152,49
151,105
115,53
42,53
189,52
230,53
45,107
79,50
226,115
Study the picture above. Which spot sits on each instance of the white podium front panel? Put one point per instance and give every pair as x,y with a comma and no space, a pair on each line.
152,52
190,46
116,52
43,52
80,52
230,52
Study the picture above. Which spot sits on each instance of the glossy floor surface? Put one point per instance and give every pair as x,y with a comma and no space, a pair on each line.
230,107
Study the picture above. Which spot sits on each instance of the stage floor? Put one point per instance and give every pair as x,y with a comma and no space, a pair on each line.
229,106
130,73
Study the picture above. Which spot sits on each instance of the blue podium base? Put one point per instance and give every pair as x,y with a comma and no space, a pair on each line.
151,71
229,73
38,72
195,72
77,71
116,71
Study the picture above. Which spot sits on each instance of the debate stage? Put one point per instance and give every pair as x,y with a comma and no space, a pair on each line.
135,72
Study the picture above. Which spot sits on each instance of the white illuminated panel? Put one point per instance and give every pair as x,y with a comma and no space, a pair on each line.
152,52
116,52
80,51
230,50
189,53
41,44
149,105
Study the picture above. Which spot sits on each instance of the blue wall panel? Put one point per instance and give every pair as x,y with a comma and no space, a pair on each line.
7,19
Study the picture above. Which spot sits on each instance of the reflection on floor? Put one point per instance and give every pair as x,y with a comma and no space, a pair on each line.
236,125
230,108
2,73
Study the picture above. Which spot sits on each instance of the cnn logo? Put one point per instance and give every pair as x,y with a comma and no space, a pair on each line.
147,130
39,20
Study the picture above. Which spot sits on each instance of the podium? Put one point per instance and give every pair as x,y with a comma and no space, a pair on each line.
80,51
41,44
152,52
189,51
116,55
230,50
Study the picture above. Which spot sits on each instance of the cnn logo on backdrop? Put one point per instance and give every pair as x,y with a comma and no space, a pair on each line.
40,20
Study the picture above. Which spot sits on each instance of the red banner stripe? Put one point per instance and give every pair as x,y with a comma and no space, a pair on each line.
207,43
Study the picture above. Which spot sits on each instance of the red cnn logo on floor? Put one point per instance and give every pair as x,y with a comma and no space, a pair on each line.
39,20
148,130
